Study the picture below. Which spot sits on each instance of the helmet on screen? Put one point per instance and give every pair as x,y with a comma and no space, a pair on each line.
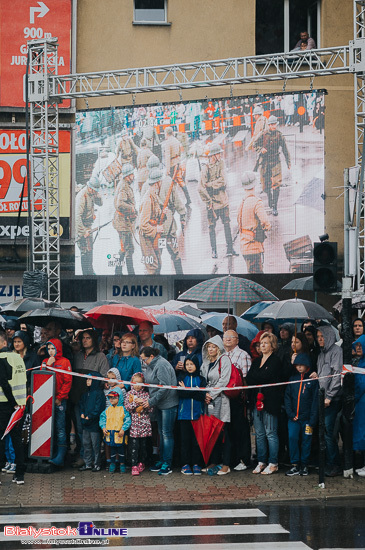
127,170
258,110
272,120
153,162
215,149
94,183
155,176
248,179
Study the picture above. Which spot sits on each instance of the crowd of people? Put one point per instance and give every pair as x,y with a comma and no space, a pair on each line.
119,422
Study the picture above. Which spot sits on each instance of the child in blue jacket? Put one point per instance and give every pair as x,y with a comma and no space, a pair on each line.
191,407
301,406
91,405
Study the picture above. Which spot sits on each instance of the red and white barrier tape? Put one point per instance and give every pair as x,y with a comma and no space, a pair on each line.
345,369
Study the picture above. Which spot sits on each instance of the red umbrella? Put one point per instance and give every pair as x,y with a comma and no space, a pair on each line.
15,417
110,315
207,430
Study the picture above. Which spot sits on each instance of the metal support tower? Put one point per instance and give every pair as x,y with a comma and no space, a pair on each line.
46,89
359,88
44,207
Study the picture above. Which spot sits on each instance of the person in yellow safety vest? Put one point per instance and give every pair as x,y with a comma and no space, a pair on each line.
13,393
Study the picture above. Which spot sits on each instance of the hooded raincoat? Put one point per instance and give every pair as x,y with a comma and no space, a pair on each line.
197,352
217,375
114,419
330,361
63,380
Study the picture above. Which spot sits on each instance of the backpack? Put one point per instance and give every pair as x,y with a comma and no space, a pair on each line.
236,379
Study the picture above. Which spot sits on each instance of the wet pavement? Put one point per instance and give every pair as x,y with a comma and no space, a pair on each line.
286,526
270,512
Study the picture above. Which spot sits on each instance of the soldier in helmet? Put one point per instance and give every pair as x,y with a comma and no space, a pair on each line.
212,190
260,126
173,150
252,225
86,199
124,218
125,149
268,146
150,226
142,158
170,203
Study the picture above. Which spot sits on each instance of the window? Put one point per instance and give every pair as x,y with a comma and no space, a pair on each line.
150,11
279,24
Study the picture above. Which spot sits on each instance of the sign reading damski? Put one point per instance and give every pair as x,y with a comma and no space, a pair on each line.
24,20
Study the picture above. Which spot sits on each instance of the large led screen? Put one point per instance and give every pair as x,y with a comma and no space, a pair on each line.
216,186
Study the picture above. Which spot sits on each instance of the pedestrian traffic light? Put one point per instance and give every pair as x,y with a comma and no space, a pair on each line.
325,266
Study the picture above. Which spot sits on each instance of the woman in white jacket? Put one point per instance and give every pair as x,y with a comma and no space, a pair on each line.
216,368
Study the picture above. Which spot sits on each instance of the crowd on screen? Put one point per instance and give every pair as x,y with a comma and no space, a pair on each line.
122,428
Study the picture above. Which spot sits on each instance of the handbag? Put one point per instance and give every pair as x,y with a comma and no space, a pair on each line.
236,380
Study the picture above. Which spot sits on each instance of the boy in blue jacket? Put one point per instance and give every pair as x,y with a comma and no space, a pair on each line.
191,407
301,406
91,405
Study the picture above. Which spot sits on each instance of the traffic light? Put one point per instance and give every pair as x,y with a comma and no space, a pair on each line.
325,267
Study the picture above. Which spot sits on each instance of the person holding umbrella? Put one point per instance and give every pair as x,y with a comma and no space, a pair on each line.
12,394
216,369
267,404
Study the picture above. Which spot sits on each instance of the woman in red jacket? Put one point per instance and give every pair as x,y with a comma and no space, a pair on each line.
63,386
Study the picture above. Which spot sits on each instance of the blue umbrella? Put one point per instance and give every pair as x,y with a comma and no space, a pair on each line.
254,310
243,327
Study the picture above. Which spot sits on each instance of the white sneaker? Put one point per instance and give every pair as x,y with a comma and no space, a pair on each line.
8,464
361,473
11,469
357,471
240,466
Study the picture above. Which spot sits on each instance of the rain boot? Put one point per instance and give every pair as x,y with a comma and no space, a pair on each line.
187,196
178,266
59,459
129,264
229,243
213,242
119,268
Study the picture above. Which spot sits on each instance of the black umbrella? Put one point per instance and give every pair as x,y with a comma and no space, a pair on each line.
65,317
22,305
305,283
293,309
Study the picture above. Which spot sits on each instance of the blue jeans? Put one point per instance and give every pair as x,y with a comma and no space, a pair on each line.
266,429
60,423
299,455
332,452
9,450
165,421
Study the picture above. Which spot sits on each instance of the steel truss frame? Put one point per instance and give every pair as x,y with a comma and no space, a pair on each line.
44,151
47,89
359,210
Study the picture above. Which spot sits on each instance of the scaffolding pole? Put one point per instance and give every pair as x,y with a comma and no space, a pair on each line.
44,150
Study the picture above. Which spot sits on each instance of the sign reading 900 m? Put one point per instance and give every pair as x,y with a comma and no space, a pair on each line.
233,185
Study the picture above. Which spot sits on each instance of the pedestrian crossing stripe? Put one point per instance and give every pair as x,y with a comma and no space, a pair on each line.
139,530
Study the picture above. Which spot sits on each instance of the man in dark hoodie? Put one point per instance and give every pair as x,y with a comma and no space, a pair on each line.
192,347
92,404
330,362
